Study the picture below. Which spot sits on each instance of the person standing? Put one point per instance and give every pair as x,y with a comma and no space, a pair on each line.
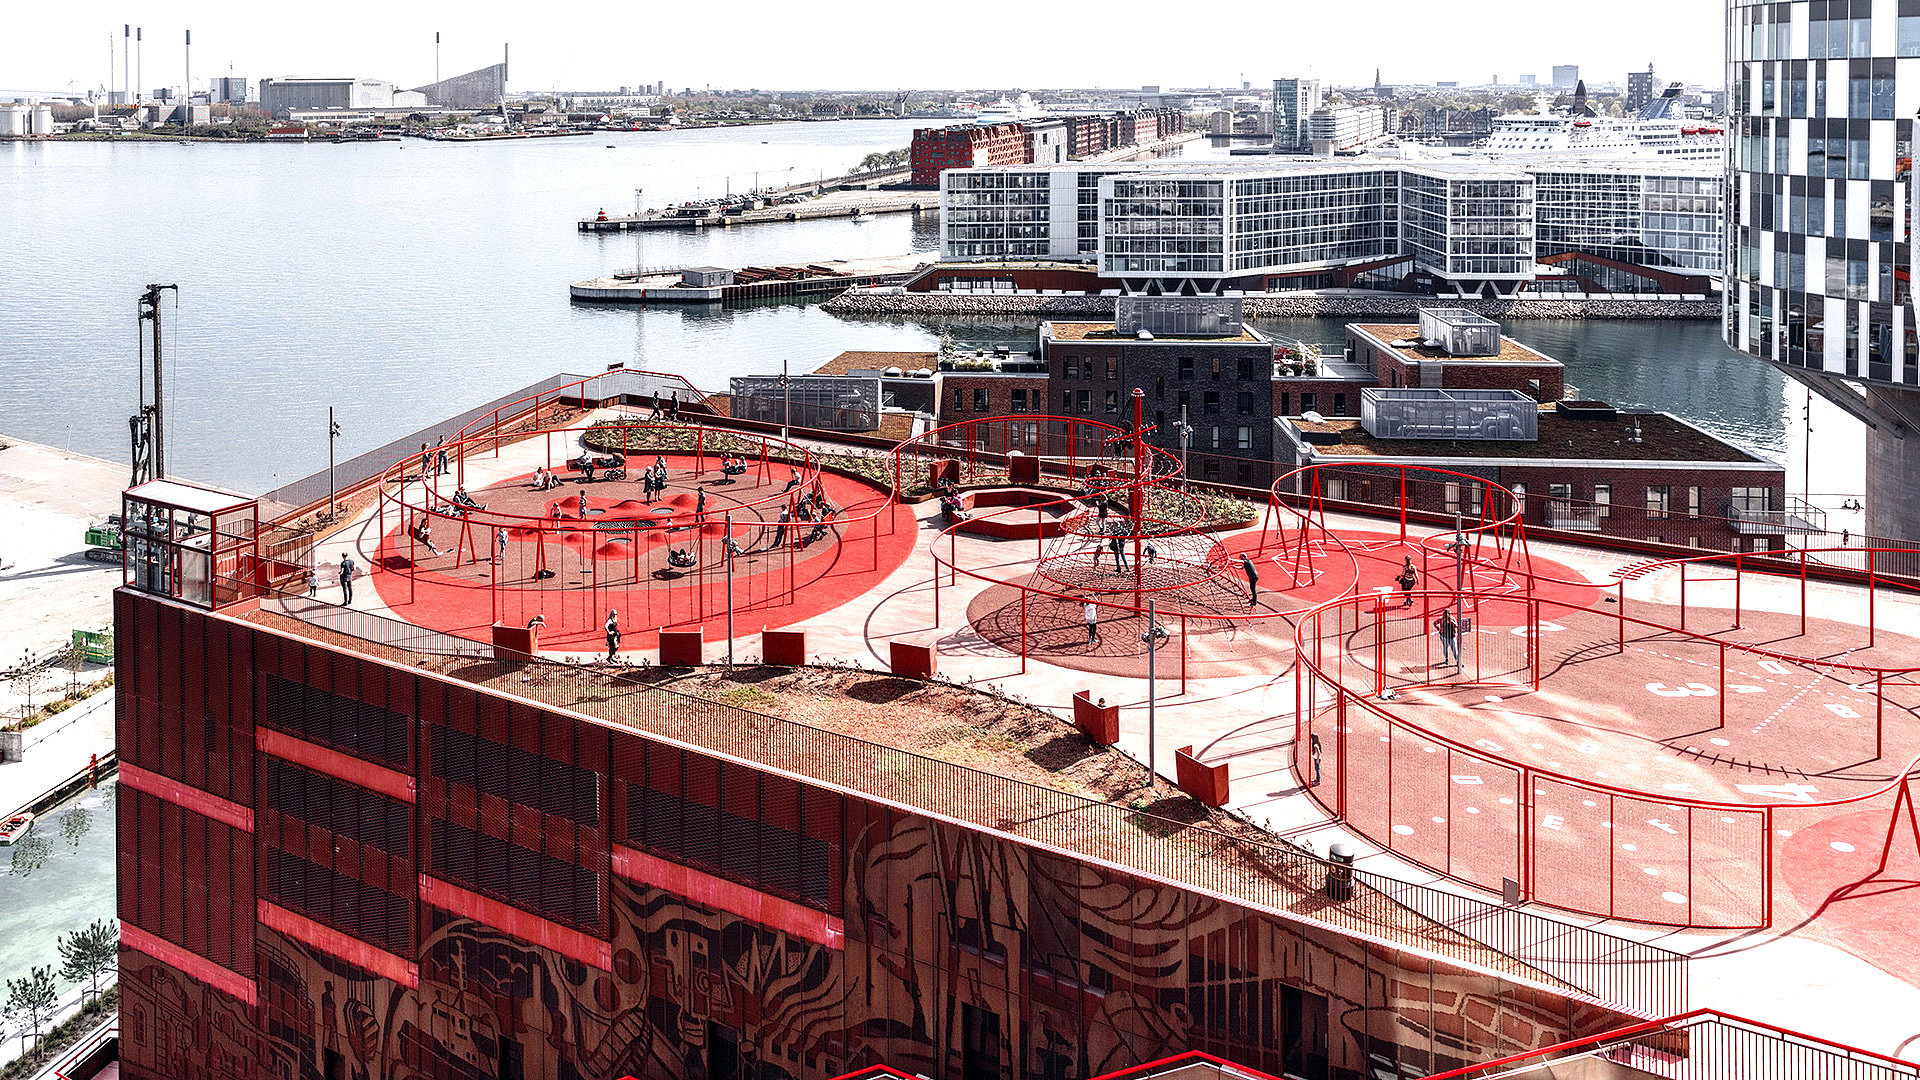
1408,576
313,582
499,543
613,634
1449,638
1253,581
440,457
1092,616
700,505
780,534
1119,547
346,579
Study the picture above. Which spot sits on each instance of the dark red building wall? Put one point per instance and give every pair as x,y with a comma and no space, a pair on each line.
422,878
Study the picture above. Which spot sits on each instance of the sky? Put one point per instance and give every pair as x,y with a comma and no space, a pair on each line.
804,44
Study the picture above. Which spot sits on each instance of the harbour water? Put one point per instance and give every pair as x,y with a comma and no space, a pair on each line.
56,880
401,282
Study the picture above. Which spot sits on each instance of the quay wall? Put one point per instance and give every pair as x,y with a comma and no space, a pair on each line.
869,302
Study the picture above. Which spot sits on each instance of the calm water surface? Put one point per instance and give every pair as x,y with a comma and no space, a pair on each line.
401,282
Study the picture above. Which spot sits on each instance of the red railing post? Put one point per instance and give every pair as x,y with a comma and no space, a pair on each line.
1803,592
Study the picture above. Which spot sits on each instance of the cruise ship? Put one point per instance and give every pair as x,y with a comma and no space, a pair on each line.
1659,131
1004,111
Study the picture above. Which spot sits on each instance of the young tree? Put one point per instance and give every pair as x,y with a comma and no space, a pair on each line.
88,953
30,1001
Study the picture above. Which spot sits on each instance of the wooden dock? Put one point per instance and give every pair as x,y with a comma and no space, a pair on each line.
840,205
669,285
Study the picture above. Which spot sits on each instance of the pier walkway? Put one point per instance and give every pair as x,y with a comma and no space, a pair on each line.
837,204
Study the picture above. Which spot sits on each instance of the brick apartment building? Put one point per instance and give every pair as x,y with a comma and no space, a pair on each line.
971,146
965,147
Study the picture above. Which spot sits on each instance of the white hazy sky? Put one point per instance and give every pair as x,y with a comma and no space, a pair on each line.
806,44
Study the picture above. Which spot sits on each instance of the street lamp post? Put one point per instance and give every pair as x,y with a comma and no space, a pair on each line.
333,490
786,400
1153,625
1185,432
726,550
1459,549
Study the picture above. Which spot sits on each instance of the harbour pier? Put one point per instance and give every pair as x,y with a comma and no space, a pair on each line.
762,211
719,285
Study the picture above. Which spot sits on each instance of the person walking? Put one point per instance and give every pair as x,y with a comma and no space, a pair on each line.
673,407
1408,577
613,634
655,415
780,534
1092,616
1449,638
1119,547
1253,581
346,580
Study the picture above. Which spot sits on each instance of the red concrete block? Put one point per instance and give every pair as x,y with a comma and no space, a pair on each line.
1101,723
910,661
1207,783
787,648
1024,469
515,644
942,470
682,648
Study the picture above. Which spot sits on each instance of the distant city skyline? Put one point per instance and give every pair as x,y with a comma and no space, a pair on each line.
50,49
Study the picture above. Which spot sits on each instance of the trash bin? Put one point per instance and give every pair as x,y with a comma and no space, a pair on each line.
1339,886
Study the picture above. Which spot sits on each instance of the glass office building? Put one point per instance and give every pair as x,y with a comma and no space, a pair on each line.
1820,205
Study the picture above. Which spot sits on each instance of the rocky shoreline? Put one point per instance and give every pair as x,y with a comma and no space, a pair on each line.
871,302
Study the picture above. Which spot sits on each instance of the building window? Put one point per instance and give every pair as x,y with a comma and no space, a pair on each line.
1519,500
1452,497
1066,371
1159,388
1066,401
1603,500
959,398
1753,500
1245,403
1183,398
1243,437
1113,369
1335,488
1216,367
1286,404
1210,403
1246,367
980,400
1307,403
1185,367
1340,405
1018,401
1086,401
1214,437
1113,401
1086,370
1210,469
1659,503
1693,502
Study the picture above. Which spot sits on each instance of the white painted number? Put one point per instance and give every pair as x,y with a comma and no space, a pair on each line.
1692,689
1775,666
1845,712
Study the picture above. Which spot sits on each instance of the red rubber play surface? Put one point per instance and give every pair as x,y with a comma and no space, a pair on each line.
1207,643
1591,787
571,568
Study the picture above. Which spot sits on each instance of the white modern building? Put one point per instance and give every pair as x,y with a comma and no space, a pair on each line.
1461,227
1346,129
280,96
1293,101
1820,220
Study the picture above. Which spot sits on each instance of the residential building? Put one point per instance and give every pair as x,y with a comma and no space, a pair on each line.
1820,214
1640,89
1048,140
1195,354
1566,75
1344,129
1293,101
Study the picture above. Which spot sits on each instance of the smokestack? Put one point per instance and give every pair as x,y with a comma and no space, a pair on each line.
139,58
126,59
436,56
187,90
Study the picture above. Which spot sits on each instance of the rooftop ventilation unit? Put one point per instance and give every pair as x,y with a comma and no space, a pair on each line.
1459,331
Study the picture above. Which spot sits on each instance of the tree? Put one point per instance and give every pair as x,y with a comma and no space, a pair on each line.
30,1000
88,953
